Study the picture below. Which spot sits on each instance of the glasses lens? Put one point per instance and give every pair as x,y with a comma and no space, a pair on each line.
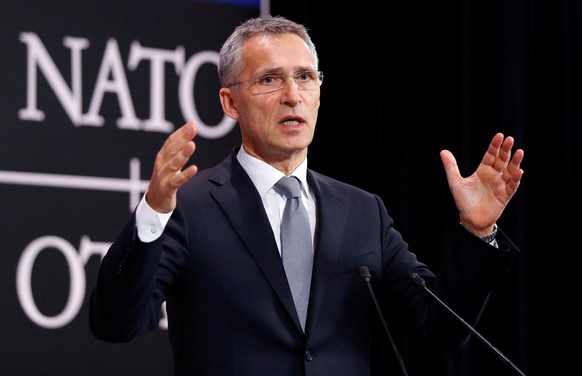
306,80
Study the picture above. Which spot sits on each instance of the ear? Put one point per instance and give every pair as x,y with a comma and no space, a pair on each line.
228,102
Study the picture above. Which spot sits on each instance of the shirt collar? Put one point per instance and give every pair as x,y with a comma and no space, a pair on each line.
264,176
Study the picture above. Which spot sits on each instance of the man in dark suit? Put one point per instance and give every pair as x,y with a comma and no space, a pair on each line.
207,242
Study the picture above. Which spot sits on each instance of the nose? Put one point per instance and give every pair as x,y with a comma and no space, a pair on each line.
290,79
290,92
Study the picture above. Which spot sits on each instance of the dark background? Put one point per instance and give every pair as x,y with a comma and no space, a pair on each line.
57,147
405,79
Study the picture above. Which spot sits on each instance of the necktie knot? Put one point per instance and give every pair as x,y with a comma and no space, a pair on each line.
289,186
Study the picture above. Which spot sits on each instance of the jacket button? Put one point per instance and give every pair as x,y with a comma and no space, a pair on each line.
308,356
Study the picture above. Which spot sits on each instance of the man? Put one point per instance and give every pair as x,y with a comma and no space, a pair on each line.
208,242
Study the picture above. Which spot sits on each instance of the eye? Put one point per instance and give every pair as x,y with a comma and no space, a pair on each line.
305,76
270,80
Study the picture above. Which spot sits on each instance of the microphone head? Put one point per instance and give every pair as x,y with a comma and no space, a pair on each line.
418,279
365,273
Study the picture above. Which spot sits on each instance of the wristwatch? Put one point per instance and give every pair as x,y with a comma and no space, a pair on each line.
489,238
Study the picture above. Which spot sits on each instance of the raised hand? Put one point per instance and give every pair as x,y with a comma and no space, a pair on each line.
169,173
482,197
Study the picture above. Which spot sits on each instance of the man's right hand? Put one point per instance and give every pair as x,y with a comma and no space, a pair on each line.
169,173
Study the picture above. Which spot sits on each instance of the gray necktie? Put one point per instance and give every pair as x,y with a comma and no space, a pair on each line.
296,244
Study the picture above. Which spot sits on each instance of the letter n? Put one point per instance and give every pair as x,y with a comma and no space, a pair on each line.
69,97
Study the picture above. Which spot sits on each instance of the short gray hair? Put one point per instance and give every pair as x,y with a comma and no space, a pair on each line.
230,62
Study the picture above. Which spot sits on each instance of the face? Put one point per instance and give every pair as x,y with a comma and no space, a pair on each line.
278,126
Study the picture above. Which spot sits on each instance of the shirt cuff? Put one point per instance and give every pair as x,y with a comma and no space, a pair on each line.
150,224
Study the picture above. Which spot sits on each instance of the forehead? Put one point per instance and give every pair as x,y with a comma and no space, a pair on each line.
276,51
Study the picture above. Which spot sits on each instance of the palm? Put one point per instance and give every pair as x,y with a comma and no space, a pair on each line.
482,197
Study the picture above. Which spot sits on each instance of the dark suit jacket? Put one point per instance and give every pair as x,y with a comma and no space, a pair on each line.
230,310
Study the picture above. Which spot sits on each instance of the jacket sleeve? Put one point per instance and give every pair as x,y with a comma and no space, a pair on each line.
125,302
470,270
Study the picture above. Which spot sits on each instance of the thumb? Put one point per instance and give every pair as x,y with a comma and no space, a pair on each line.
451,167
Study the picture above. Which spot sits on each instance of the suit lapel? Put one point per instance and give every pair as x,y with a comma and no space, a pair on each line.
332,214
238,198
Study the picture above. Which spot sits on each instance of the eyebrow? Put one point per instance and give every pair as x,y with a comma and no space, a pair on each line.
280,70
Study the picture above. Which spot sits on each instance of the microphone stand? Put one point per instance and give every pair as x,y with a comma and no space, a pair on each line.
365,274
418,279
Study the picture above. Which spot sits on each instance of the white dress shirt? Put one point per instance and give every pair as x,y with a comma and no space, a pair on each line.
150,224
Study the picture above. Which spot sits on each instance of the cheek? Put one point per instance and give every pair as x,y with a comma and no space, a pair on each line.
315,108
247,110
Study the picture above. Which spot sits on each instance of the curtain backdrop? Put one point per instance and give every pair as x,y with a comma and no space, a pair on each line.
405,79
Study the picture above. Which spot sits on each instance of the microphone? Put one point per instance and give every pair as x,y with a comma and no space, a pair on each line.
420,281
365,274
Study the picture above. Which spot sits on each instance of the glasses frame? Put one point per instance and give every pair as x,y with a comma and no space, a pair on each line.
285,76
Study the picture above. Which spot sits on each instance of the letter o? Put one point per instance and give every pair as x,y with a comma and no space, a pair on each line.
186,97
77,281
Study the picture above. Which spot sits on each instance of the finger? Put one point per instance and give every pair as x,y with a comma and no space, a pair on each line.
490,157
504,154
513,183
182,177
451,168
182,156
180,143
188,131
514,166
176,141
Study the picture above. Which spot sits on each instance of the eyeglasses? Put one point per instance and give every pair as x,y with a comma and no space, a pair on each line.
270,82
